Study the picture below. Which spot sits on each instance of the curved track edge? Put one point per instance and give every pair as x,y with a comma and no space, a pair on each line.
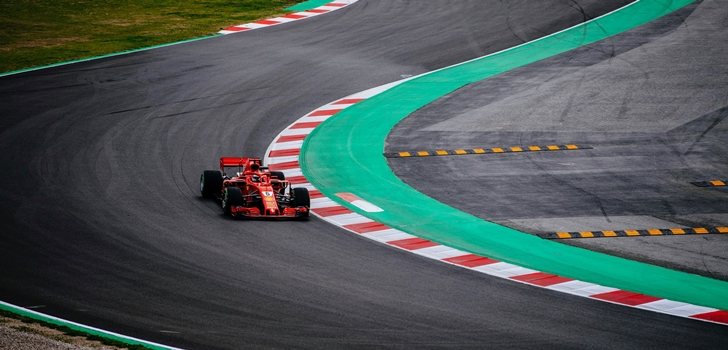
307,9
20,311
289,152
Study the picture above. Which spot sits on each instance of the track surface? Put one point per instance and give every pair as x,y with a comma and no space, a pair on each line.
653,104
100,220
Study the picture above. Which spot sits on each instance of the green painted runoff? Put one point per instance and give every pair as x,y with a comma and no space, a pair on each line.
307,5
344,154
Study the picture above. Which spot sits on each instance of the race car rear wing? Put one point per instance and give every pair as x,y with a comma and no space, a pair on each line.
238,161
232,161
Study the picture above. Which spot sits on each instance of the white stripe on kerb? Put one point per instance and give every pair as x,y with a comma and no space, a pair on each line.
287,145
440,252
675,308
347,219
292,132
388,235
366,206
277,160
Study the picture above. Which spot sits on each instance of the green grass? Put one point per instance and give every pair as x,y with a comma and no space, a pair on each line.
46,31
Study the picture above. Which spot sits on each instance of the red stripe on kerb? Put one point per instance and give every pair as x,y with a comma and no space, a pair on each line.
297,179
412,243
470,260
266,22
315,194
236,29
317,11
719,316
337,4
324,112
541,279
294,16
625,297
284,166
330,211
348,101
289,138
367,227
285,152
305,125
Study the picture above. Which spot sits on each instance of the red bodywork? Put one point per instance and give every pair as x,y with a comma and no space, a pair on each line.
264,194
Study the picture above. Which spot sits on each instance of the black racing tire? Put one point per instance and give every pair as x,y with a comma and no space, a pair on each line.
210,183
232,196
301,197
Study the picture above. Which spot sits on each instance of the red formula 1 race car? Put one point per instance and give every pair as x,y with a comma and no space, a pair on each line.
247,189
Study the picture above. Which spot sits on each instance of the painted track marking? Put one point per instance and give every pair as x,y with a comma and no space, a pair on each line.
483,150
679,231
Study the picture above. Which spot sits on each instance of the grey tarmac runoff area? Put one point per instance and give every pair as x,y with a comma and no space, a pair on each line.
101,220
651,102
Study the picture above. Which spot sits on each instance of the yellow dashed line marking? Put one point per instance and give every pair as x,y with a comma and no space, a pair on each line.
654,232
563,234
464,151
637,233
710,183
586,234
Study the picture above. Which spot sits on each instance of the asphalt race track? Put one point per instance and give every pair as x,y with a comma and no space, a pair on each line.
101,220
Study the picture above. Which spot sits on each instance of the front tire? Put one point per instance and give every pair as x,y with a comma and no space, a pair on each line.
301,197
231,197
210,183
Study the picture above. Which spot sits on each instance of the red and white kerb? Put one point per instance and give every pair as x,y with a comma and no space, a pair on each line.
332,6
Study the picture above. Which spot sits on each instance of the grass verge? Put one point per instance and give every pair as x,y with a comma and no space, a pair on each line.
60,333
45,32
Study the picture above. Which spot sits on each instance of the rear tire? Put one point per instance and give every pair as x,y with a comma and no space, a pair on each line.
210,183
301,197
231,197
